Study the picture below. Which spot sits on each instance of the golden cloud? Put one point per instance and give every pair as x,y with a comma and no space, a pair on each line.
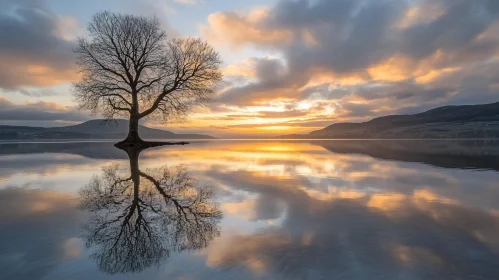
24,72
239,30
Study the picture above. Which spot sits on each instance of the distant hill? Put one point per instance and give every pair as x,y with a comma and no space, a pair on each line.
467,121
94,129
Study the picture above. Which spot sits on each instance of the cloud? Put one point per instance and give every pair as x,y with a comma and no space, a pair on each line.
38,111
37,92
230,27
35,45
272,80
189,2
381,56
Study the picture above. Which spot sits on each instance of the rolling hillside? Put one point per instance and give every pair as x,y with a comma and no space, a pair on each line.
467,121
94,129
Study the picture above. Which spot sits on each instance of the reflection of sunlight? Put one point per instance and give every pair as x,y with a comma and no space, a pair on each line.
317,172
278,148
311,169
284,160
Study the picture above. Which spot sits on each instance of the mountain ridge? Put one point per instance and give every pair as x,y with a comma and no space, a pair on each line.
92,129
456,121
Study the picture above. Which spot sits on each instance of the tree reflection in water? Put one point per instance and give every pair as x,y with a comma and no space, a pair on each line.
139,217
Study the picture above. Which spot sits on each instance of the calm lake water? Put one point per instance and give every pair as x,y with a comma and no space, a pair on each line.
251,210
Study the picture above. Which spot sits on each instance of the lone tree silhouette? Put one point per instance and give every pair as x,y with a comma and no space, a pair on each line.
129,68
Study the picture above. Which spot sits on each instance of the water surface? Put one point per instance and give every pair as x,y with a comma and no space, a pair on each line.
250,210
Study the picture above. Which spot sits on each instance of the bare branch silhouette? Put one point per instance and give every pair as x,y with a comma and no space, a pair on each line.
130,69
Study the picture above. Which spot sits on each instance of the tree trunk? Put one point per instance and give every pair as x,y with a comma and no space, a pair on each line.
133,137
133,130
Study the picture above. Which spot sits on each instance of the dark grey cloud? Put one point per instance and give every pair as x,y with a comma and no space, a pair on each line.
349,41
353,34
269,69
37,92
38,111
272,79
456,30
32,48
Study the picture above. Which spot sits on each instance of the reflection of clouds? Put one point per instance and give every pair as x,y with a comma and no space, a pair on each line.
225,254
360,239
19,160
370,219
262,208
37,232
73,247
21,204
27,162
300,165
43,164
244,208
64,177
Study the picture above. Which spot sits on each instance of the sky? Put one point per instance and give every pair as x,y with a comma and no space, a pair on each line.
290,66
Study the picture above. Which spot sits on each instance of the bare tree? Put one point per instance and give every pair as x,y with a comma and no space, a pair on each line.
130,69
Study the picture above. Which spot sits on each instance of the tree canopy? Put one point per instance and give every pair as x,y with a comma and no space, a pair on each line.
130,68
